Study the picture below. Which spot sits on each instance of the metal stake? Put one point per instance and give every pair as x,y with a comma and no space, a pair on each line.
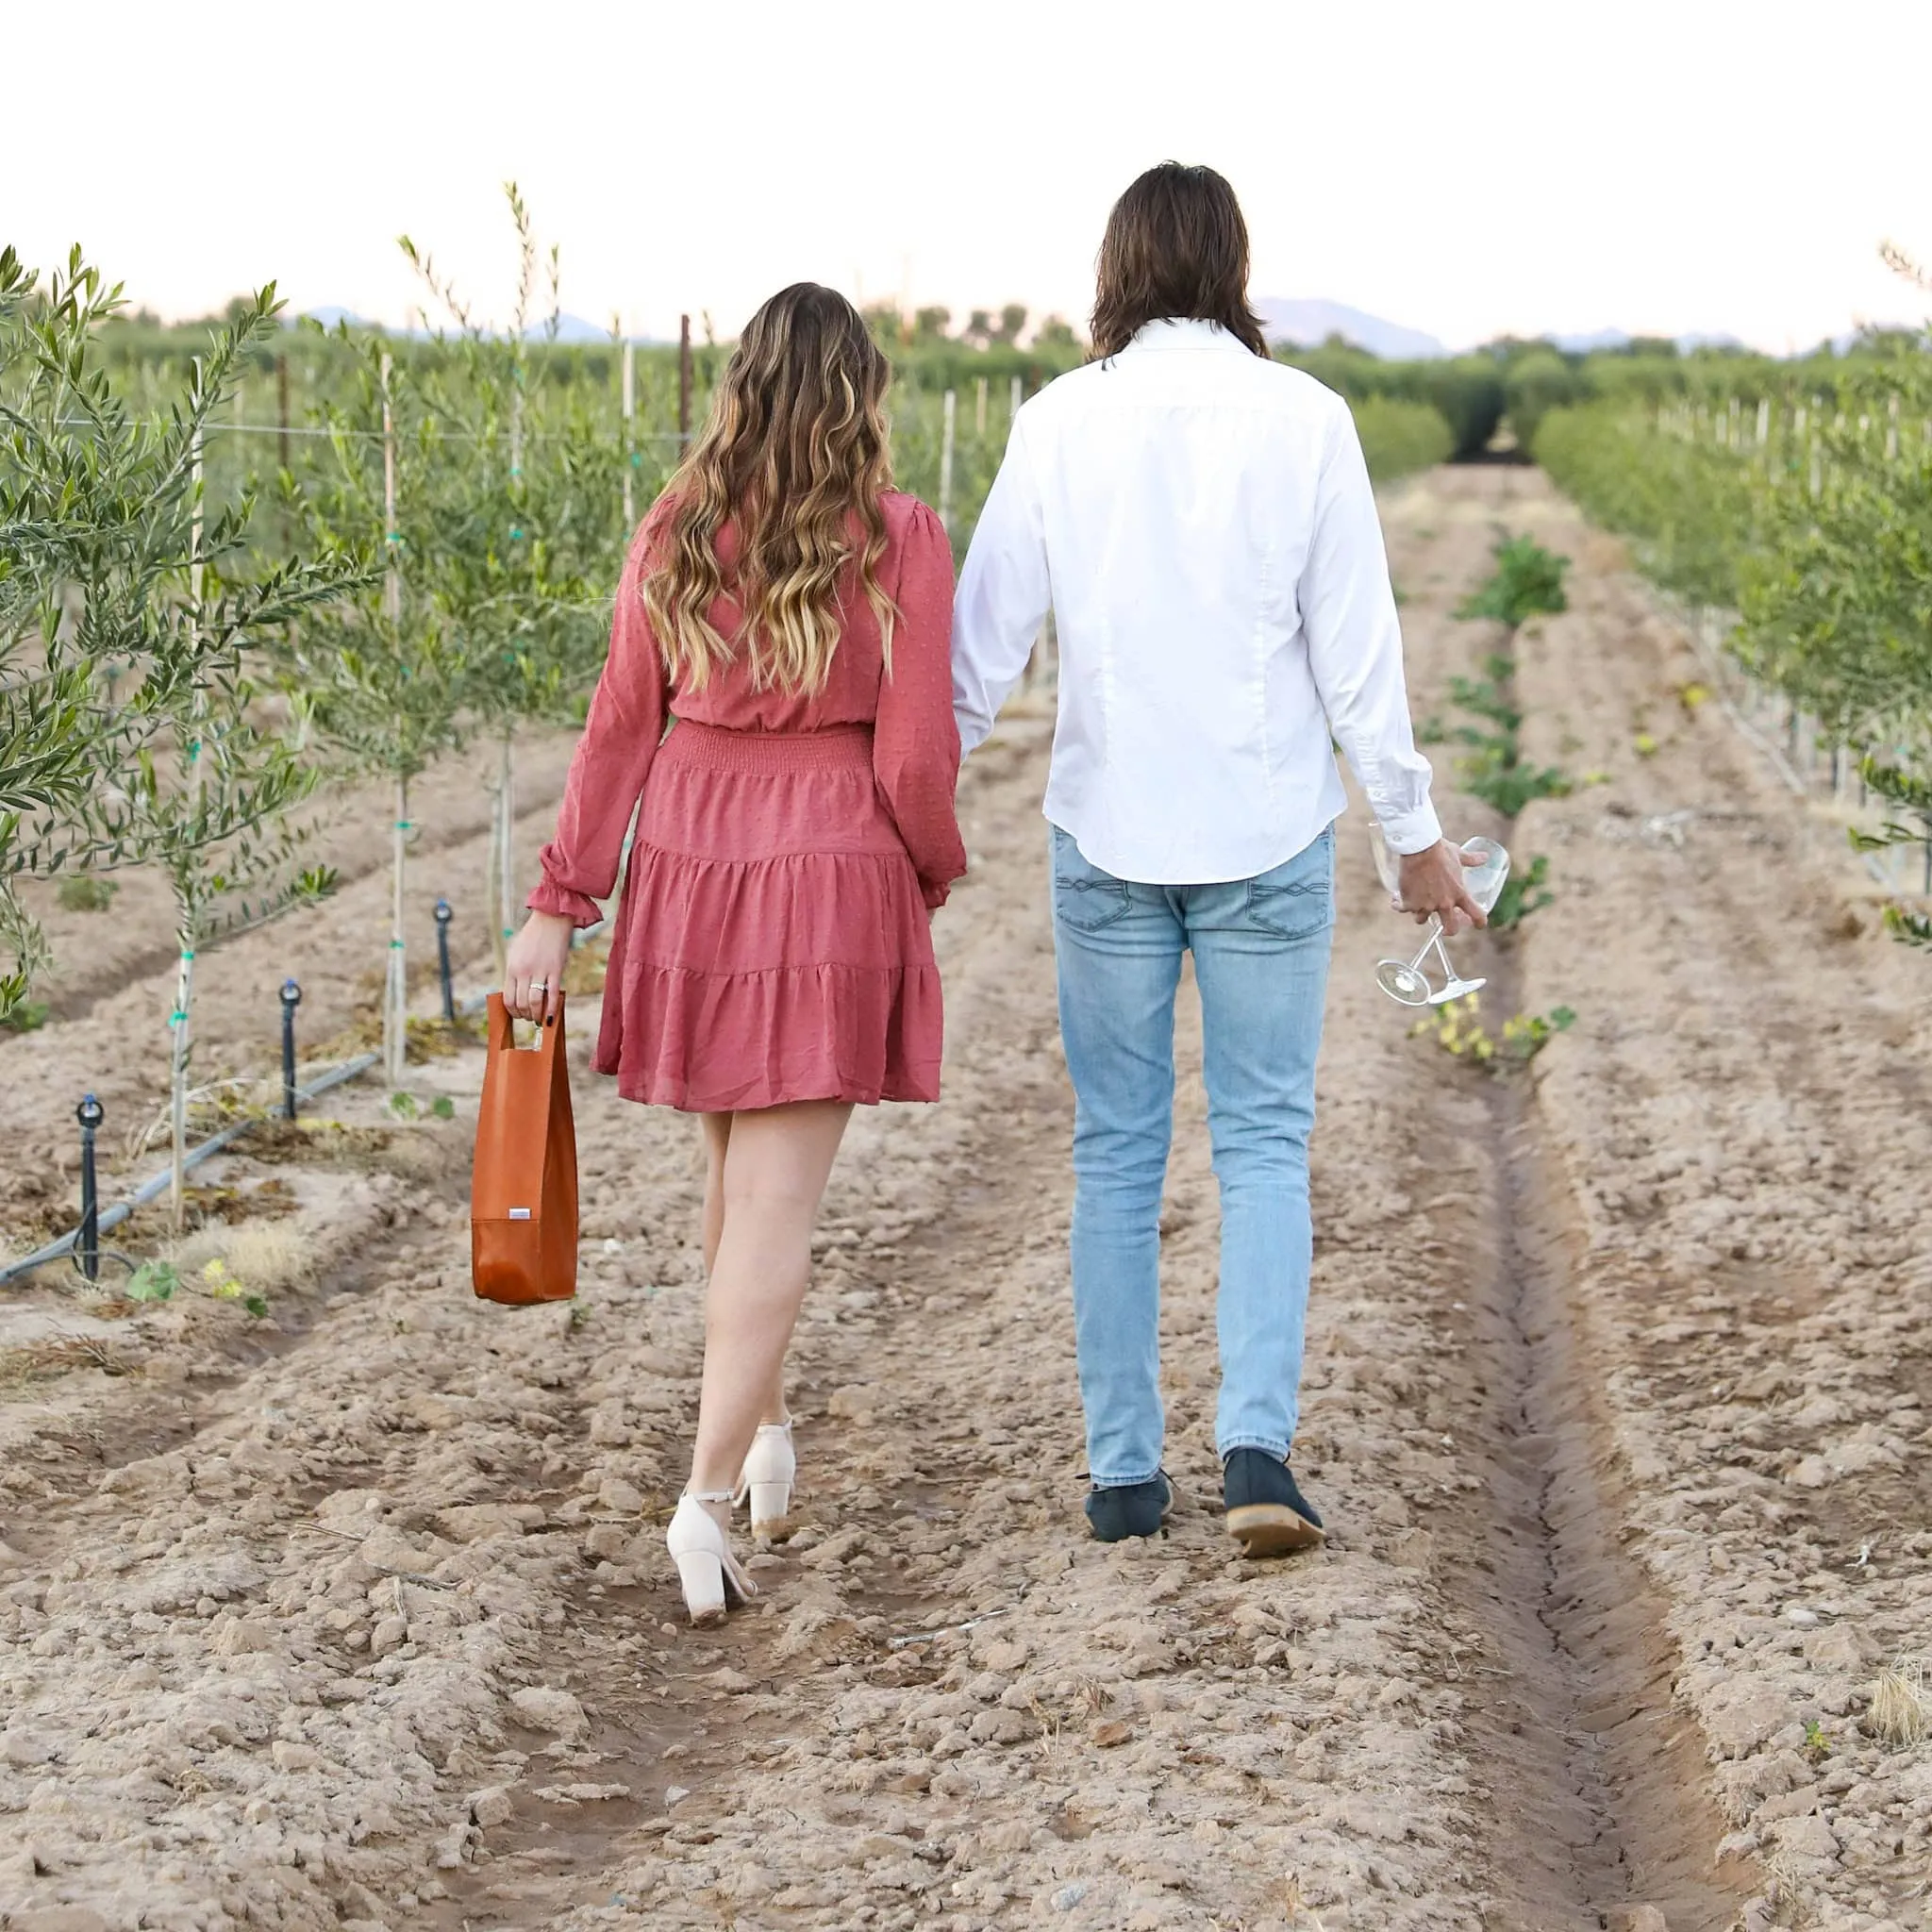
292,998
90,1113
443,916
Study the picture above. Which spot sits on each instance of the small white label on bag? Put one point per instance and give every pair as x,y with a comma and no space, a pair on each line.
520,1214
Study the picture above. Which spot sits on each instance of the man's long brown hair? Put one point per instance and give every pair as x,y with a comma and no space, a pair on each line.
1175,245
795,448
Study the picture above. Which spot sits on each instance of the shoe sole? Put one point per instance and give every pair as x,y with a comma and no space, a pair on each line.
1272,1529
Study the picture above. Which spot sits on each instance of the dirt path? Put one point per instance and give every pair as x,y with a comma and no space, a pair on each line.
359,1617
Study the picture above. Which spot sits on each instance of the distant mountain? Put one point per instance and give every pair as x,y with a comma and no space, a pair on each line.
1621,339
569,328
330,314
1595,338
1308,324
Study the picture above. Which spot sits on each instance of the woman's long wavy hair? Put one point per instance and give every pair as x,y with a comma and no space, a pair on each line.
794,459
1175,245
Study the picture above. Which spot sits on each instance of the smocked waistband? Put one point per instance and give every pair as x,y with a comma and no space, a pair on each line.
719,749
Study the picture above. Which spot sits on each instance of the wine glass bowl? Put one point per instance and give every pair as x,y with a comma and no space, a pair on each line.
1486,881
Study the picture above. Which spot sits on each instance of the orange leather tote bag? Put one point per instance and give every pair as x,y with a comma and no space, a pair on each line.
523,1193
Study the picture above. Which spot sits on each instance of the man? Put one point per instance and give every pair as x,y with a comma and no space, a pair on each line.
1199,519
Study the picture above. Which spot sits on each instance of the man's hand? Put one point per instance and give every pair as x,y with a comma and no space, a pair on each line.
533,976
1432,885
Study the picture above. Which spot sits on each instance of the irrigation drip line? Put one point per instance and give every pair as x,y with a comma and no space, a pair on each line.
157,1185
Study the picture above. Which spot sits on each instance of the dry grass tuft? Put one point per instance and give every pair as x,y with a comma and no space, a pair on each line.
52,1356
1784,1886
1296,1908
1901,1712
267,1257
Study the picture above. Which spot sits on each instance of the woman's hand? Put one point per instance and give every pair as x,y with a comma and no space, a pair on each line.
533,976
1433,886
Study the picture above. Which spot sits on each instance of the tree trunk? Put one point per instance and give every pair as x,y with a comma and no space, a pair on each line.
505,850
177,1081
396,1015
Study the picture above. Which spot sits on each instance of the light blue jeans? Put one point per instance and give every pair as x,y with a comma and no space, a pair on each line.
1260,949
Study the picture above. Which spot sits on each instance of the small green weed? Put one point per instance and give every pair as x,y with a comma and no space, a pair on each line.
1492,768
154,1281
405,1107
1497,775
219,1283
1914,928
1522,893
1456,1027
228,1286
1527,582
1487,698
1816,1747
1526,1035
28,1016
316,882
83,892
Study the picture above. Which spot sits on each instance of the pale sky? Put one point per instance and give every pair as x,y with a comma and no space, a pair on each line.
1468,169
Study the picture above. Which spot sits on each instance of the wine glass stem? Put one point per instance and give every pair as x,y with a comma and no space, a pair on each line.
1431,940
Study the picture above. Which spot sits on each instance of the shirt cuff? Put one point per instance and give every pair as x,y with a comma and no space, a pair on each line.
974,732
934,893
561,903
1411,831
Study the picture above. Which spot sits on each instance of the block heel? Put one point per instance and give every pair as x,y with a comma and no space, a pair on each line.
771,1468
770,1508
707,1570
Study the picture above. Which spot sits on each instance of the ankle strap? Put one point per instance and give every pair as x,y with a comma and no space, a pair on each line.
706,1496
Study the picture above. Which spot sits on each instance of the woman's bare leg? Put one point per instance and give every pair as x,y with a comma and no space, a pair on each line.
776,1165
717,1139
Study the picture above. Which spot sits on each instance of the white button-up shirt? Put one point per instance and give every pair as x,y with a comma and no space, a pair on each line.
1201,524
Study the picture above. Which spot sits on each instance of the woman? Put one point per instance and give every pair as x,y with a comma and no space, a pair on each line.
780,694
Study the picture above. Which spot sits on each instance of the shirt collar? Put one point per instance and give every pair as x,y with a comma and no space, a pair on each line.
1184,332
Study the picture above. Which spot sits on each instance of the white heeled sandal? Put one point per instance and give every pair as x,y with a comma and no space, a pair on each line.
769,1469
705,1567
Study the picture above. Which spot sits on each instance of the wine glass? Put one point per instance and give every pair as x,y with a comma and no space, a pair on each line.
1406,980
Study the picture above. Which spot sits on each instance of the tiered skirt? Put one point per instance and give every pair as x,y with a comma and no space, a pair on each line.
772,941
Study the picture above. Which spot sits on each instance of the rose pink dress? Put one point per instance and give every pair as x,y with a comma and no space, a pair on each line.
772,941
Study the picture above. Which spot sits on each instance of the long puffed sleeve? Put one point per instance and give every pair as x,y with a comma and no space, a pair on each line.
621,733
916,743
